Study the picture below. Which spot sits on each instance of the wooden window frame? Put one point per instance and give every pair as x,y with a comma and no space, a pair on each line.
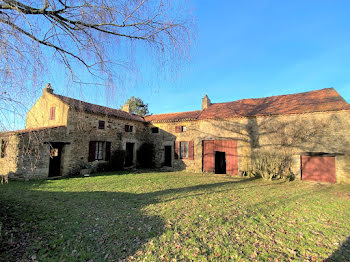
179,150
129,128
52,113
101,125
180,129
183,149
99,151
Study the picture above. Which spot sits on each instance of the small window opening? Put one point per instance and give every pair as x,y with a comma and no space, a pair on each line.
101,124
155,130
128,128
179,129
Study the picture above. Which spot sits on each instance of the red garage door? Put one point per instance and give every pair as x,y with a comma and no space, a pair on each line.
318,168
229,147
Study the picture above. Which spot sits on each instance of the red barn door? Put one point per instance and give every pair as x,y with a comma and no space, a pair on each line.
318,168
229,147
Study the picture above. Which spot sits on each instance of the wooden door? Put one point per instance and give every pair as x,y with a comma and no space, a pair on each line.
55,159
229,147
129,154
318,168
167,156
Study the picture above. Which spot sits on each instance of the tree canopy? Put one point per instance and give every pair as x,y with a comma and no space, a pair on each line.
137,106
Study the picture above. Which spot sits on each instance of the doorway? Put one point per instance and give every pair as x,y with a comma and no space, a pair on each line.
55,159
167,156
220,162
320,168
129,154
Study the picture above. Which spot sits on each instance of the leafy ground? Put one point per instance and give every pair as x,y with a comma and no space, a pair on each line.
173,216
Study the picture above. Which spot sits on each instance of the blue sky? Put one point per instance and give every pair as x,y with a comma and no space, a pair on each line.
248,49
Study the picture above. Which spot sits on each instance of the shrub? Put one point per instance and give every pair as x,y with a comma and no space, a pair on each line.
145,155
269,165
117,160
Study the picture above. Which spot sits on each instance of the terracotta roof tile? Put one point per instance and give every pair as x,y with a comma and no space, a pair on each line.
190,115
315,101
97,109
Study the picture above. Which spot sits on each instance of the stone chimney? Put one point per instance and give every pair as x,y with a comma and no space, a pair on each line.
48,89
126,108
205,102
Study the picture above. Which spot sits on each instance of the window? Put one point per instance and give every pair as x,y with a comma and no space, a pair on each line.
155,130
99,150
101,124
184,149
180,129
128,128
52,113
4,145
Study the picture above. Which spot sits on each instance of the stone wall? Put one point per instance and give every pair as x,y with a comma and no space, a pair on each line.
291,134
28,152
83,128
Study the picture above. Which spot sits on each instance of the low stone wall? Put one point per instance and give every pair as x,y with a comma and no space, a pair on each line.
28,152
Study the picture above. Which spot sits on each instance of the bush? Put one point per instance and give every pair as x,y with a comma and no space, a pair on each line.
117,160
145,155
269,165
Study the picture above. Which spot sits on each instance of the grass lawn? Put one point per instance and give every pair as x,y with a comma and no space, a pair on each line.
173,216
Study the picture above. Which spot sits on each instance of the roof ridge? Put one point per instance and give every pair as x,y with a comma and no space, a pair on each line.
174,113
81,101
301,93
94,108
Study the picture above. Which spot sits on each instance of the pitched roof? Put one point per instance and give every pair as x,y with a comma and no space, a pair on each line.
181,116
315,101
92,108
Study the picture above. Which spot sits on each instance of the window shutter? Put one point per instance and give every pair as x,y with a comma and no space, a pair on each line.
101,124
176,150
177,129
190,150
92,150
108,151
52,113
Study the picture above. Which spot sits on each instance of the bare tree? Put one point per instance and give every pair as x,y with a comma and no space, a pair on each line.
100,36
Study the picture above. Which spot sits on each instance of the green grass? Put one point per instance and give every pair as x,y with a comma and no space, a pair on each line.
173,216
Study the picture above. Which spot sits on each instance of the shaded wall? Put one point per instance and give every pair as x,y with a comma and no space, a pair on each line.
288,134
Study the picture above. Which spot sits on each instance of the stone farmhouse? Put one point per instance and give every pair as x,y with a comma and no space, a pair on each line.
63,134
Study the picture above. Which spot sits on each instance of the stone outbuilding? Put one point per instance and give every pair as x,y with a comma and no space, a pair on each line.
63,135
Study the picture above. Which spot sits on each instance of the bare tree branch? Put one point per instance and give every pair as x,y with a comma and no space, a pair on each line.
98,36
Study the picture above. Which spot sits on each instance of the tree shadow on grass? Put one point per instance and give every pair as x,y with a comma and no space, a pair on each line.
81,226
342,254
